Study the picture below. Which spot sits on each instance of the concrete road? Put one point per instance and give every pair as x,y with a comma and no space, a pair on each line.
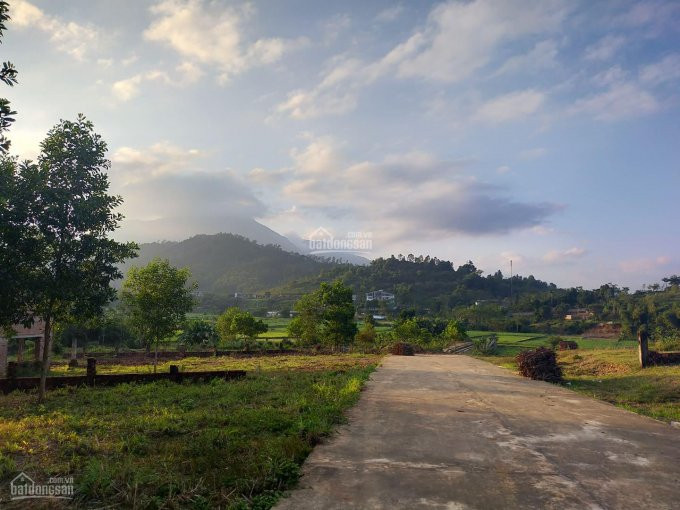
452,432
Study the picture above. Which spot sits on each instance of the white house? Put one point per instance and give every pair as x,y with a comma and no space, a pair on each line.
379,295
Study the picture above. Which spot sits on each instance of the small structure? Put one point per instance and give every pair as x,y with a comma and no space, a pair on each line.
578,314
379,295
35,332
273,314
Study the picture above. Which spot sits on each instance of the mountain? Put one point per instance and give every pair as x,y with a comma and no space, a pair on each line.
226,263
302,246
176,229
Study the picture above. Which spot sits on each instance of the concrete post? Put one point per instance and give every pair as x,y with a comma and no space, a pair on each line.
91,371
21,345
39,343
643,348
3,357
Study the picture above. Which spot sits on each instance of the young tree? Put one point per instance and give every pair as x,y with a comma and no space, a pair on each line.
248,326
225,324
306,326
69,214
157,298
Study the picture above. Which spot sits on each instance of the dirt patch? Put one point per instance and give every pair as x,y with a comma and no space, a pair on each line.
591,366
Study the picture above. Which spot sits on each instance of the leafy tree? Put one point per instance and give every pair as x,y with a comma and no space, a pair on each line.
19,255
157,298
339,326
200,333
225,324
248,326
8,75
306,326
327,315
673,281
455,331
68,216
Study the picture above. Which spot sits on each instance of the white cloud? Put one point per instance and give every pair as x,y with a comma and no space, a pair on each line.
211,34
641,265
67,36
540,57
458,40
172,193
133,165
512,106
610,76
460,37
621,100
390,14
666,69
531,154
503,169
436,198
126,89
563,256
605,48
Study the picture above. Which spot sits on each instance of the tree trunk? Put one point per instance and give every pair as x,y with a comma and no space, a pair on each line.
46,350
155,358
74,348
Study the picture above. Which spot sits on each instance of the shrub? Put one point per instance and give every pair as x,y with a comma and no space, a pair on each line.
485,345
540,364
567,345
668,343
402,349
554,341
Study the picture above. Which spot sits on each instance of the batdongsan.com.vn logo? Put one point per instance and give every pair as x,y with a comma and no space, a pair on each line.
23,486
323,241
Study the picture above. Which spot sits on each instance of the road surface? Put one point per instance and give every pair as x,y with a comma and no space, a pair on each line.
453,432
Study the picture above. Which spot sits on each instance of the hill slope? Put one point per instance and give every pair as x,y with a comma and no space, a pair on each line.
227,263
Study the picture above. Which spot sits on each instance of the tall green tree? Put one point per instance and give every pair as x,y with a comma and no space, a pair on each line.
327,315
8,75
157,298
69,215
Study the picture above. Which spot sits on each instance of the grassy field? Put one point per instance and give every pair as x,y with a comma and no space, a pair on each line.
509,344
614,375
234,444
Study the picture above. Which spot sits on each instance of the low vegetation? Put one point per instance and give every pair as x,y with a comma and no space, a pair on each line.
614,375
234,444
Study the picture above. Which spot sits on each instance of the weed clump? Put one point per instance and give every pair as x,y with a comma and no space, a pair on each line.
567,345
402,349
539,364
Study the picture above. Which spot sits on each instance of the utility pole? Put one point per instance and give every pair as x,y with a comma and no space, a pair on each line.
510,282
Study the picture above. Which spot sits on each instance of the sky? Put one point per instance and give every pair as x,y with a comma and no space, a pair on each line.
542,131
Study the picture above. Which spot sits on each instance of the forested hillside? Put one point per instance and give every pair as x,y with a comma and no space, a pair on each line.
226,263
424,282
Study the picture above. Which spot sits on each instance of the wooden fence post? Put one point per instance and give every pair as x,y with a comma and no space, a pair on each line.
643,347
174,373
91,371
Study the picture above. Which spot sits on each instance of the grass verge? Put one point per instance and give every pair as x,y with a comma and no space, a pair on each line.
235,444
613,375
